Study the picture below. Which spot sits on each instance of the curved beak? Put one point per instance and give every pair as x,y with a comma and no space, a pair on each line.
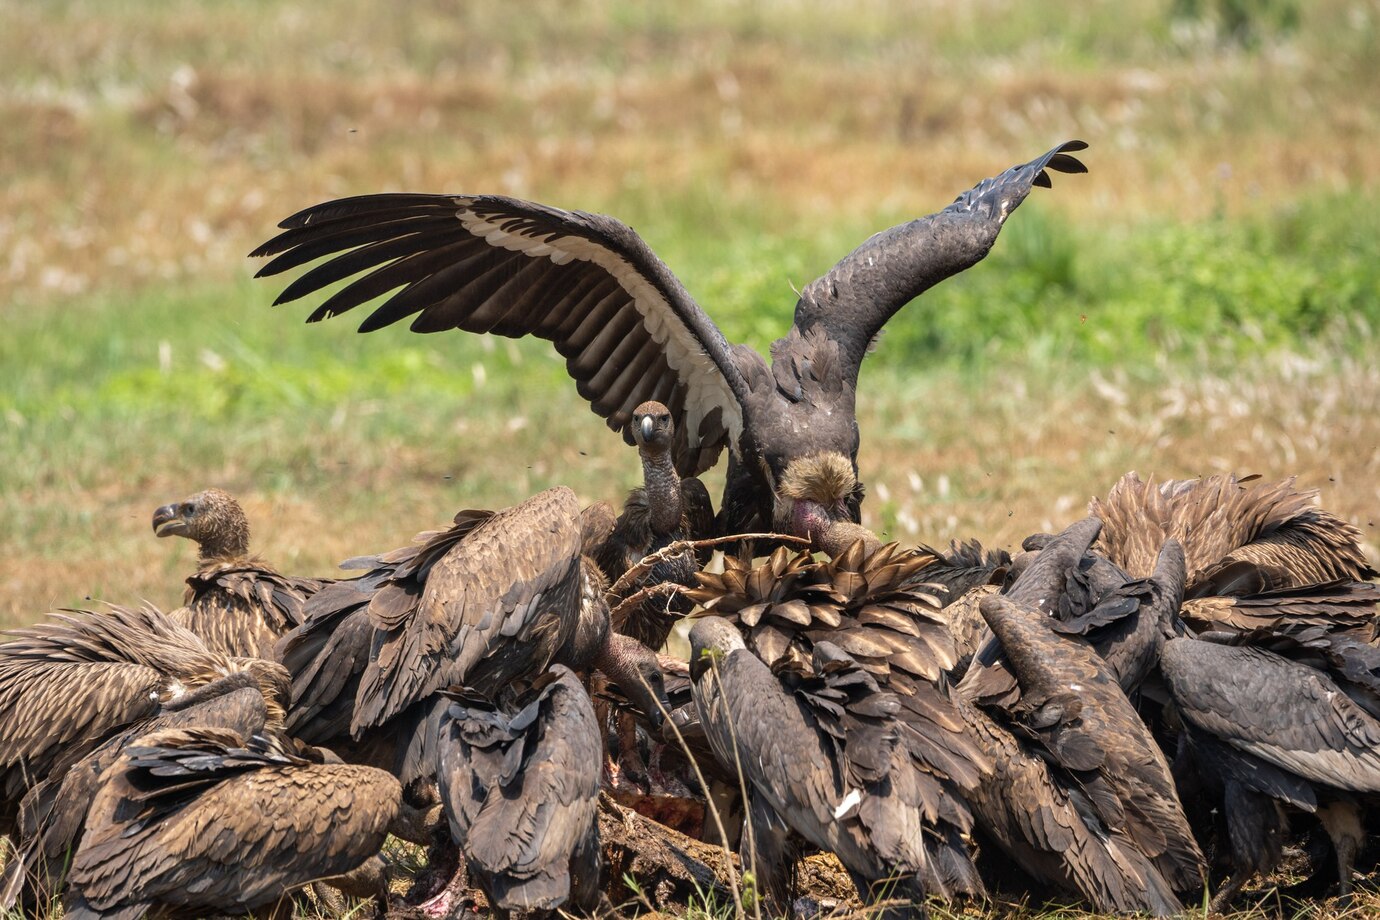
165,521
647,427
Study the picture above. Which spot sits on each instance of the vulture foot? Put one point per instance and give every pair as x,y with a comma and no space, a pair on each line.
419,825
1228,892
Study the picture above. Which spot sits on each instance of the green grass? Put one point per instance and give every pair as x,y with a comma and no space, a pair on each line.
1206,299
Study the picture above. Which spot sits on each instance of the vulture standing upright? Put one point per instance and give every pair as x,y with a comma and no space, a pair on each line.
520,784
235,602
667,508
628,329
199,821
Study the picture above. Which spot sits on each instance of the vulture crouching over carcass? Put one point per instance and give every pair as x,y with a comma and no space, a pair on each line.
495,599
626,327
235,602
69,683
52,816
1258,554
194,822
820,751
1049,686
1262,732
867,607
520,784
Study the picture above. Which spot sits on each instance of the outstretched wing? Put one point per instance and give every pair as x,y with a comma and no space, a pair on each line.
626,326
856,297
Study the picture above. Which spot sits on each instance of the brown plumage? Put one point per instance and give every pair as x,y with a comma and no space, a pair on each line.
665,509
52,816
1071,705
236,602
496,597
1086,595
965,573
1346,608
1263,732
820,747
1046,825
520,785
869,608
1221,520
198,821
71,681
628,329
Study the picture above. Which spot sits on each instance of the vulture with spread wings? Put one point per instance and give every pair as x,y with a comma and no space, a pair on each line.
628,329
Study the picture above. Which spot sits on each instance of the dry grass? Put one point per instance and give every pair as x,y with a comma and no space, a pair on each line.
147,147
945,457
146,144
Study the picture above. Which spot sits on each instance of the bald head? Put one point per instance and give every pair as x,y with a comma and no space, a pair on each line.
711,638
652,427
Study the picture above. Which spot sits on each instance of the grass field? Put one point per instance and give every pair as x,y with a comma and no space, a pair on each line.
1206,299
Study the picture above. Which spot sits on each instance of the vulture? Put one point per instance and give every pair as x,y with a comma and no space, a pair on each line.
1262,732
1089,596
1068,703
667,508
1259,555
519,780
495,598
1046,825
867,608
967,573
52,815
72,681
190,822
626,327
235,602
1226,526
821,753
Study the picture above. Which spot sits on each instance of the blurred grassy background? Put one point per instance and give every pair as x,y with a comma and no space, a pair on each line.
1205,299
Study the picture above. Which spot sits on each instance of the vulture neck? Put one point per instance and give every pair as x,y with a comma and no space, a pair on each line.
663,491
840,535
227,544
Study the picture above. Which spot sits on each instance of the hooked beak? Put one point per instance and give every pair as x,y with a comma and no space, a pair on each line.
647,427
166,522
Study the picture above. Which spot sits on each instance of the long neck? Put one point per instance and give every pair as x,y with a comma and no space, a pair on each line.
222,552
663,491
226,540
840,535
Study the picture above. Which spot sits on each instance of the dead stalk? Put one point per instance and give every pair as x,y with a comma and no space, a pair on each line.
682,546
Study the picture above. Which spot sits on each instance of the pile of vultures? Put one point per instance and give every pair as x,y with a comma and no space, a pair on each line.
1151,709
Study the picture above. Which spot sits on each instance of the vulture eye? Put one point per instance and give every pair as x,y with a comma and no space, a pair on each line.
187,509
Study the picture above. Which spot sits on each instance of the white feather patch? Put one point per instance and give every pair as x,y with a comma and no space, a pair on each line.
850,802
705,385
